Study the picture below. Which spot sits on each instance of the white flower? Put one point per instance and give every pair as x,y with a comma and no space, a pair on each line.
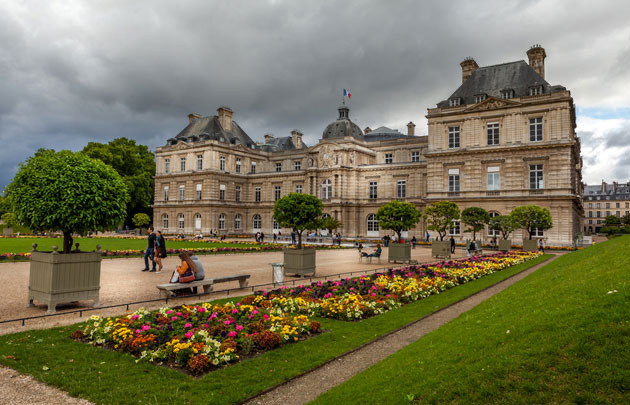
508,331
612,292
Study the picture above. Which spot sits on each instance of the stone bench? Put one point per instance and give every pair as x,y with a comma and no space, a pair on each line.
207,284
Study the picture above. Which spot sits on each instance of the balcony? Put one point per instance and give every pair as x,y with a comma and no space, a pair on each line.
494,193
536,192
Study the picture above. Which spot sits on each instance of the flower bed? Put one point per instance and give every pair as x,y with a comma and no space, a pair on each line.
365,296
197,338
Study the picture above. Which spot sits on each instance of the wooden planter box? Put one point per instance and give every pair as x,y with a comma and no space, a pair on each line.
399,252
7,232
530,245
505,244
299,261
441,248
59,278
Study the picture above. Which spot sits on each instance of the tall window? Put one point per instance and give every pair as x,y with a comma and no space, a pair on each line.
326,189
490,231
199,162
221,222
180,221
257,192
252,170
257,222
373,190
536,177
197,221
538,232
535,129
198,192
453,180
222,192
402,188
493,133
278,166
453,137
238,165
165,193
494,178
181,193
455,228
415,156
222,163
276,192
237,222
275,225
237,192
298,188
182,164
165,221
389,158
167,165
297,165
372,223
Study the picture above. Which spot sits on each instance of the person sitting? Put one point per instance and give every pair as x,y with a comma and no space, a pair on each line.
183,271
472,248
200,273
376,253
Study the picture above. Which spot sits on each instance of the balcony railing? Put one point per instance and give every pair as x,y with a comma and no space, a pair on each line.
493,193
536,192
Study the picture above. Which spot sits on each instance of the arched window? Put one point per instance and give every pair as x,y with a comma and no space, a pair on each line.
490,231
257,222
197,221
326,189
372,223
180,220
221,222
165,221
237,222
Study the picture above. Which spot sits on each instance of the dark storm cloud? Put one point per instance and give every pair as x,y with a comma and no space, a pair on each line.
74,72
618,138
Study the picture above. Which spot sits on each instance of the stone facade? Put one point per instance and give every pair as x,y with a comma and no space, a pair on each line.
515,144
603,200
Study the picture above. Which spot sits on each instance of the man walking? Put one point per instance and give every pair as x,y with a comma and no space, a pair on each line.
452,244
150,252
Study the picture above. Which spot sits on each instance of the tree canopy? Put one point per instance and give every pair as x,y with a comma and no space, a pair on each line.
440,216
625,219
330,224
398,216
68,192
140,220
476,218
298,212
135,164
504,224
531,217
612,220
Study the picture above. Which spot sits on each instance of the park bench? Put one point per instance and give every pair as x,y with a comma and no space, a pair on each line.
207,284
368,258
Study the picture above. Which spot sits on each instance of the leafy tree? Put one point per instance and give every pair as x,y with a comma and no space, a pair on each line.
4,205
504,224
398,216
68,192
298,212
9,219
531,217
141,220
136,164
612,220
440,216
476,218
625,219
330,224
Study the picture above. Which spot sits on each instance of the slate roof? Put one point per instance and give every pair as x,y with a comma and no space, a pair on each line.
206,128
343,127
491,80
280,144
622,192
383,134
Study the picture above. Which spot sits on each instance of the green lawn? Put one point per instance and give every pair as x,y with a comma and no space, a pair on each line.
22,245
105,376
561,335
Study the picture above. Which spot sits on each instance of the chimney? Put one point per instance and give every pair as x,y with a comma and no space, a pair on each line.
225,118
268,138
193,116
537,55
367,130
468,67
603,186
296,138
411,129
614,187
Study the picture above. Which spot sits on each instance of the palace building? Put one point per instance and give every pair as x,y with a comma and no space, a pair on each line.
504,138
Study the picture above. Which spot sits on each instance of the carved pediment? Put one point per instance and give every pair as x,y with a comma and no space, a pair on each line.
492,103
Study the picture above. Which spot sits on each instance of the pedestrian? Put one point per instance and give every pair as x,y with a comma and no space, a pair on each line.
428,236
275,237
541,247
452,244
262,237
293,238
413,242
160,251
150,252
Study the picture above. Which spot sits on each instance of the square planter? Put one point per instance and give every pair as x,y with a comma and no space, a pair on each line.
441,248
299,261
7,232
399,252
505,244
59,278
530,245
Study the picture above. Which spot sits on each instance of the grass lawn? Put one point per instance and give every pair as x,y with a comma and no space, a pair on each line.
22,245
106,376
558,336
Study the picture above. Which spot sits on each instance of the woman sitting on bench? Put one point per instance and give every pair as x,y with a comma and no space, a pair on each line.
185,272
376,253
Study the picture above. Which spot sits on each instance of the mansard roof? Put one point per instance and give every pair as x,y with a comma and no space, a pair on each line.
280,144
209,128
383,134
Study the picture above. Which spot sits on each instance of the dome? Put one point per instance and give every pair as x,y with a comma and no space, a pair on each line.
343,127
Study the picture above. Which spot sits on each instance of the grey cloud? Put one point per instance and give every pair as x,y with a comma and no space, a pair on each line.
619,137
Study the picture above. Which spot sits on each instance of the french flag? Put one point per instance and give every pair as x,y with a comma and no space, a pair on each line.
346,93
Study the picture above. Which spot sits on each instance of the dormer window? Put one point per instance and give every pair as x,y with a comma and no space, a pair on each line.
507,93
536,90
454,102
480,97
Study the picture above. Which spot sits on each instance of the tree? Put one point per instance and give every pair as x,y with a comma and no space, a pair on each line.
625,219
612,220
9,219
476,218
440,216
135,164
298,212
504,224
531,217
398,216
330,224
68,192
140,220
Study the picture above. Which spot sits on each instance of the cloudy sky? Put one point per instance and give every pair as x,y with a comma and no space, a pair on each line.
78,71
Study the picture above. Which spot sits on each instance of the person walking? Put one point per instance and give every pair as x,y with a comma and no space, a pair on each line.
413,242
150,252
160,250
452,244
428,236
541,246
293,238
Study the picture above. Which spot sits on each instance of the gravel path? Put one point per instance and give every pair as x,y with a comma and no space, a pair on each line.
310,385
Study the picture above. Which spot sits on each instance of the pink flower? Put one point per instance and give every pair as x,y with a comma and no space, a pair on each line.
373,295
205,325
254,312
232,334
235,311
188,325
202,309
178,314
189,334
174,318
170,311
227,322
135,316
239,328
265,317
138,331
146,327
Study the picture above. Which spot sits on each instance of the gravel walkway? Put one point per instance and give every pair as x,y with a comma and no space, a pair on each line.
310,385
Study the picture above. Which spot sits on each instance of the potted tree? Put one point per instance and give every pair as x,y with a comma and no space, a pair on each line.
505,225
476,218
140,221
72,193
398,216
330,224
299,212
531,218
440,216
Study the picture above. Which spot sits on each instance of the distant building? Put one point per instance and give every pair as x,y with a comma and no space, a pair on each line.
603,200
